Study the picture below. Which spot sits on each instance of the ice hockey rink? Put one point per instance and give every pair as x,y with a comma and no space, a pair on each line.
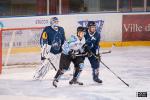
132,64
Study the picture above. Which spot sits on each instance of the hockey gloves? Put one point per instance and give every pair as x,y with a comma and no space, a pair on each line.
87,50
72,54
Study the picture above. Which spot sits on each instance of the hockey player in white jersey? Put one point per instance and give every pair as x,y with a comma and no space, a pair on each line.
70,49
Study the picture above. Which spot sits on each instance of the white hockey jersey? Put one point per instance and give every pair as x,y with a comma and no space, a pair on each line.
73,43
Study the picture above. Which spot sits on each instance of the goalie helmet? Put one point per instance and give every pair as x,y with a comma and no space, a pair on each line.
54,23
53,20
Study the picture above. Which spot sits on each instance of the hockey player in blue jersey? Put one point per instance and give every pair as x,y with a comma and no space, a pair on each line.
71,48
51,41
92,38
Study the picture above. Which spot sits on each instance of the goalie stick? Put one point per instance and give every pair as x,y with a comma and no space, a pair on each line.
52,64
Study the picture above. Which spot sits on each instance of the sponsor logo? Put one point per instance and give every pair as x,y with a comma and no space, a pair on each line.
41,21
99,24
136,27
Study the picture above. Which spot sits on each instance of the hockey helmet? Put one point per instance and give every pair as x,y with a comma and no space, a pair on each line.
80,28
91,23
53,20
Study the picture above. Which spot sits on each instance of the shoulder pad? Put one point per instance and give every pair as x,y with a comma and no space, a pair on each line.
72,39
61,28
44,35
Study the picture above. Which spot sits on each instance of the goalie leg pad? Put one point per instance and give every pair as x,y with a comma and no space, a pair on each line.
42,70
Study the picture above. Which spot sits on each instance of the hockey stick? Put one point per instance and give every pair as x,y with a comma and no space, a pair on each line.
105,52
113,45
99,58
81,55
85,54
114,73
52,64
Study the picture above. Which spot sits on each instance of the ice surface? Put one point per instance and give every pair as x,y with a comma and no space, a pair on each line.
132,64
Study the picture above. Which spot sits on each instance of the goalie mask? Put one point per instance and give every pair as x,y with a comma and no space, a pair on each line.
54,23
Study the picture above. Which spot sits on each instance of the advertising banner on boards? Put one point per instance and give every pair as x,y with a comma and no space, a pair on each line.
136,27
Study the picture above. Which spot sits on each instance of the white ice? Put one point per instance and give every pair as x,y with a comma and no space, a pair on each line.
132,64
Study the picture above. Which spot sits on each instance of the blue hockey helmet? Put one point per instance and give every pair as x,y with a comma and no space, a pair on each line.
91,23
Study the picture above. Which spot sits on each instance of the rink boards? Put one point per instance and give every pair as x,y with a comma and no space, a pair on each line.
122,29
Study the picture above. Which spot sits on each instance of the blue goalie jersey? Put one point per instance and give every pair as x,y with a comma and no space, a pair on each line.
54,38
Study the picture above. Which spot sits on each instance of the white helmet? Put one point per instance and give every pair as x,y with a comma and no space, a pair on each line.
53,20
54,23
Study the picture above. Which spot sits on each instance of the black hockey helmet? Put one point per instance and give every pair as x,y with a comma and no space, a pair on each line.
91,23
80,28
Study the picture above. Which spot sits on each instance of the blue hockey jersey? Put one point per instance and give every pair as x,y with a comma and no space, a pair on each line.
92,41
54,38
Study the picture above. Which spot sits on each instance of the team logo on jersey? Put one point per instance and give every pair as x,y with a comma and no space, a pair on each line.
99,24
44,35
93,38
56,43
